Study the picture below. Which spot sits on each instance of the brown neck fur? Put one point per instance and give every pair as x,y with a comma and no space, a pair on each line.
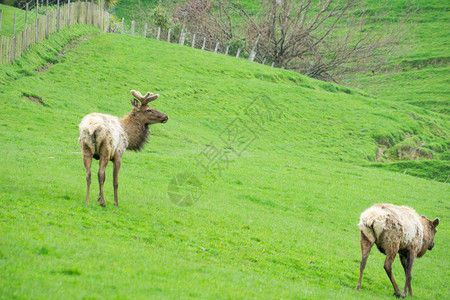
137,132
427,238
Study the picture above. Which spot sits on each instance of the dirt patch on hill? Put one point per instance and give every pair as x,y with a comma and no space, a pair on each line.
36,99
73,44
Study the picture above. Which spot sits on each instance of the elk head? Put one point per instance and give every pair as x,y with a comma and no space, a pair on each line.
429,230
144,113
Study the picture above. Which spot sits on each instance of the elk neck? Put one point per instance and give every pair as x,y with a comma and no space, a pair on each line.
137,132
426,239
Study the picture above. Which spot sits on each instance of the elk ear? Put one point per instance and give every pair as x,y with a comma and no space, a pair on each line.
435,222
135,103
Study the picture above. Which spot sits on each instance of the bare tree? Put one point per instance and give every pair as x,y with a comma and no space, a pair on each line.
324,39
211,19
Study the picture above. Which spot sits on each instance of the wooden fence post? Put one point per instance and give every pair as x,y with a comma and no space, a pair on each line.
159,33
132,27
92,12
25,29
57,15
145,30
204,44
273,64
37,21
182,37
46,21
168,35
121,28
68,13
99,14
253,53
193,41
13,45
264,61
217,47
238,52
226,51
85,12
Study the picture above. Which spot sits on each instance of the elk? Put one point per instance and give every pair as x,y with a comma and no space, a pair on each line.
395,229
106,138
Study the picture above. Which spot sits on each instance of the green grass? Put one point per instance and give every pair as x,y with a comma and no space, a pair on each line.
277,221
424,169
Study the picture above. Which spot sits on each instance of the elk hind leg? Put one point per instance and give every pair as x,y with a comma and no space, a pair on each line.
366,246
87,160
391,252
103,163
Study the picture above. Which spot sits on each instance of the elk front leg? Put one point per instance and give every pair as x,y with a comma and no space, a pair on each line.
366,246
87,160
117,162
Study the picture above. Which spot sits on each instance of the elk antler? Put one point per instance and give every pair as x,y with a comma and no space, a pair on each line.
144,99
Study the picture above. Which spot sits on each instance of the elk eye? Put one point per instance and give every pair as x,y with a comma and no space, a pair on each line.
149,110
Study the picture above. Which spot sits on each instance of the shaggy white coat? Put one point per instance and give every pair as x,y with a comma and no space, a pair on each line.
96,128
400,222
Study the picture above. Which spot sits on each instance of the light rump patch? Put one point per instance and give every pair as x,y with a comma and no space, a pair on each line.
97,128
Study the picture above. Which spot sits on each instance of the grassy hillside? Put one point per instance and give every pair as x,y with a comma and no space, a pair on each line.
421,71
418,74
276,203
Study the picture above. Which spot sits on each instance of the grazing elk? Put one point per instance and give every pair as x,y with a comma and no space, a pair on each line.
395,229
106,138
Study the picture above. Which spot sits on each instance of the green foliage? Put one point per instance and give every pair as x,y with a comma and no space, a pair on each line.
111,3
236,44
161,17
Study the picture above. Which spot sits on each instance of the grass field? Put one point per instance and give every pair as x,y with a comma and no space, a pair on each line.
276,202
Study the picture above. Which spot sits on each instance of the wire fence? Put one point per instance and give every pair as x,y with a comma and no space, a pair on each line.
39,19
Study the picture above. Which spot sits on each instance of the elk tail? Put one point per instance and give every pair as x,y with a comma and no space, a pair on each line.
366,227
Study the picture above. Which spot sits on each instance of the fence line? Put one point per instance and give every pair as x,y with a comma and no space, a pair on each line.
52,21
88,12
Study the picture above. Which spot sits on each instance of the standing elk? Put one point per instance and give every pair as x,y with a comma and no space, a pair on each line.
395,229
106,138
